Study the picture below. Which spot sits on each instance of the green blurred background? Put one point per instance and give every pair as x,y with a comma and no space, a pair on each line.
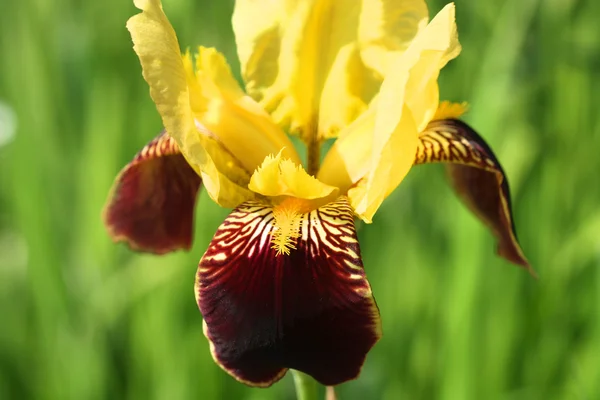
82,318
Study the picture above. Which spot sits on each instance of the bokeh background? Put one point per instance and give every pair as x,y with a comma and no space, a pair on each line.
82,318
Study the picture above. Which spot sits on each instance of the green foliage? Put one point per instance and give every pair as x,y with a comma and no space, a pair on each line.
84,319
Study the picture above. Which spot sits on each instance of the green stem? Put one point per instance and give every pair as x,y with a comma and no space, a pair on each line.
306,387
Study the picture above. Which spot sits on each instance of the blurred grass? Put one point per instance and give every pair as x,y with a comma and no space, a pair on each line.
84,319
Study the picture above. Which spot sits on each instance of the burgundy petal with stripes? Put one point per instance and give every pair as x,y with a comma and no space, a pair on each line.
311,310
477,177
151,205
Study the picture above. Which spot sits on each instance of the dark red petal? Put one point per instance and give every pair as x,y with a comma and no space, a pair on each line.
311,310
151,204
477,177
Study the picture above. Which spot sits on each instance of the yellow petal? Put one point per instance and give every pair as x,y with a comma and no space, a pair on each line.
215,75
237,120
390,163
213,122
412,82
286,61
387,27
349,159
348,89
316,64
406,103
158,49
433,48
278,176
266,180
198,101
256,24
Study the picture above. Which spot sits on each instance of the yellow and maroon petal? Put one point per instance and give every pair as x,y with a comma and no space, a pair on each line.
151,204
477,177
310,309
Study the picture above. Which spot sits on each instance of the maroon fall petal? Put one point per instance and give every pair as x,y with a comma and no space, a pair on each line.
311,310
477,177
151,204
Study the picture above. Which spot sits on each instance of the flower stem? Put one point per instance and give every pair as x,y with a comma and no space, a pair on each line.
306,387
313,145
313,156
330,393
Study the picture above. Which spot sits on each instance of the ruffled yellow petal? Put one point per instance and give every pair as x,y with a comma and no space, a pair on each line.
387,28
239,122
393,154
223,133
349,159
278,176
266,180
156,45
432,49
348,89
406,103
316,64
293,31
214,74
256,24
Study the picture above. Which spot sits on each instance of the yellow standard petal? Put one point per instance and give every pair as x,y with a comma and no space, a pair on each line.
239,122
223,133
349,159
433,48
407,101
314,86
286,62
386,29
348,89
157,47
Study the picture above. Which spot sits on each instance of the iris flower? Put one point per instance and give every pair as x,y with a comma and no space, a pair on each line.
282,283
